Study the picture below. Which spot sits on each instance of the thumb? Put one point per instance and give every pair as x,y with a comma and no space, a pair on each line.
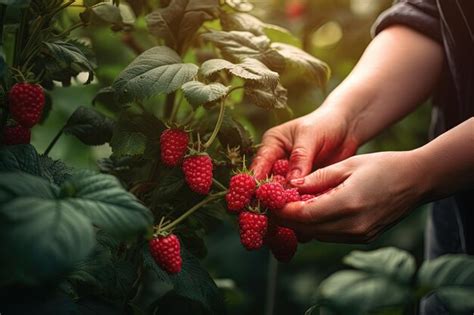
302,155
322,179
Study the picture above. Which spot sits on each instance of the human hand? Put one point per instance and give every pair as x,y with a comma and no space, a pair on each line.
320,138
367,194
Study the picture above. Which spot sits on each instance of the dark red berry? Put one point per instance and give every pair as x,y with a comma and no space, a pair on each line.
197,171
241,189
279,179
253,227
16,135
173,144
282,242
271,195
166,252
26,103
280,167
292,195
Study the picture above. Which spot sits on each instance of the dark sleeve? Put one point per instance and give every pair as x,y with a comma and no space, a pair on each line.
420,15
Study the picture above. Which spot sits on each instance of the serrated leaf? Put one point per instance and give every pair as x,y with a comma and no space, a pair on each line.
107,12
280,34
198,93
390,262
89,126
157,70
179,21
126,143
16,3
54,170
343,292
22,158
266,96
240,5
232,134
106,97
301,64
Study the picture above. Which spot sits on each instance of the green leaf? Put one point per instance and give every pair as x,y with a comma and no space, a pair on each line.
89,126
198,93
232,134
42,238
301,64
105,12
106,97
391,262
157,70
357,292
279,34
54,170
178,23
266,96
19,158
16,3
126,143
103,200
240,5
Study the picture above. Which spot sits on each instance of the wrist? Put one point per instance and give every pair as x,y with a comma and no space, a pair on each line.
428,177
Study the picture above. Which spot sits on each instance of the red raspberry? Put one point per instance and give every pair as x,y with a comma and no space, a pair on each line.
26,103
241,189
280,167
307,197
282,242
279,179
253,227
166,252
295,9
292,195
174,144
16,135
197,171
271,195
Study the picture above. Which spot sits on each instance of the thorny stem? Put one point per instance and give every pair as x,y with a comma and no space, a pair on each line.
53,142
220,119
205,201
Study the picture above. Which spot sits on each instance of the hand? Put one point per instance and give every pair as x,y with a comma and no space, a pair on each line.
320,138
367,194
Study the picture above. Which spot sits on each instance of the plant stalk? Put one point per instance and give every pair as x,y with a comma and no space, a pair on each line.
219,184
3,11
218,126
272,276
20,37
53,142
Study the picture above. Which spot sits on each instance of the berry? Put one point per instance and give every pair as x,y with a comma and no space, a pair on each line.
307,197
271,195
280,167
295,9
166,252
282,242
253,227
241,189
16,135
197,171
26,103
174,143
292,195
279,179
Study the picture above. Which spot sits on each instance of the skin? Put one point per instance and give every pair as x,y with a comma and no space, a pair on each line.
369,193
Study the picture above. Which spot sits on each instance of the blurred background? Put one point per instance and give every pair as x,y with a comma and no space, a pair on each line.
336,31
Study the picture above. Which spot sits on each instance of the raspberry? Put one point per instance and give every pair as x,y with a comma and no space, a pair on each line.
282,242
271,195
292,195
279,179
280,167
166,252
241,189
253,227
307,197
16,135
26,103
197,171
174,143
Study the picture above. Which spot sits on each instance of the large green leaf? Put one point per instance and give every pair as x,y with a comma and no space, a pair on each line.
300,64
232,134
198,93
109,13
158,70
391,262
89,126
265,96
179,21
126,143
357,292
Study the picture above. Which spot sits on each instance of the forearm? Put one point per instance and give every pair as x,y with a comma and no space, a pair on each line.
448,161
396,73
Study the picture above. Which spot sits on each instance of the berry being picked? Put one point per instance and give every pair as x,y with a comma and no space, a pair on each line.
166,253
307,197
253,227
26,103
282,242
197,171
292,195
279,179
16,135
280,167
174,144
271,195
241,189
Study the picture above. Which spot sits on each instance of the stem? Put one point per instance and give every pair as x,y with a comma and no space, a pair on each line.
72,28
205,201
219,184
271,285
3,11
21,34
174,113
169,105
220,119
236,88
55,139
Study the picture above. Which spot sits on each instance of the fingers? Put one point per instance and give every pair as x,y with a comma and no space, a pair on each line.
272,149
323,179
303,153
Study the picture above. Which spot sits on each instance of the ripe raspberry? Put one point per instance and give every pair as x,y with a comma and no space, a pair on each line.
241,189
253,227
16,135
292,195
271,195
26,103
280,167
282,242
307,197
279,179
166,252
197,171
174,143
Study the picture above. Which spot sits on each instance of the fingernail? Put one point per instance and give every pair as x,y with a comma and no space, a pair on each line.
297,182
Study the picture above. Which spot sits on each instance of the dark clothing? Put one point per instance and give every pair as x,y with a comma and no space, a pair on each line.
451,23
